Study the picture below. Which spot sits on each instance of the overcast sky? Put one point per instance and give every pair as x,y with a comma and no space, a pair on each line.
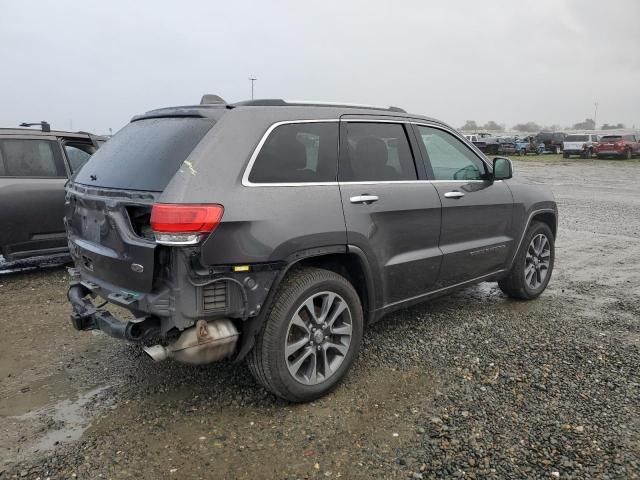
91,65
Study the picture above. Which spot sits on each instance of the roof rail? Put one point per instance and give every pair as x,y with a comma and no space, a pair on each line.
279,102
45,126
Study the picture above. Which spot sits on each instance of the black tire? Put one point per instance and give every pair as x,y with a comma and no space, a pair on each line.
565,155
267,361
522,152
514,284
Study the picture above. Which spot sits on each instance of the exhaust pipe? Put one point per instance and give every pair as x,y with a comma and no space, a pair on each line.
156,352
205,343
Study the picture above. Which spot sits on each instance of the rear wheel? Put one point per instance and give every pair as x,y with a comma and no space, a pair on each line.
565,155
533,265
310,337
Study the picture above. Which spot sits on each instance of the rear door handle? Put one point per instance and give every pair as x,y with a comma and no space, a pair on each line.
366,199
454,194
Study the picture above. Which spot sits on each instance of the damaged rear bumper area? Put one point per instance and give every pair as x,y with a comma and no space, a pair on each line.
206,342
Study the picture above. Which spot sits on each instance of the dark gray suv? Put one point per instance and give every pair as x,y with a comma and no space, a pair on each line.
276,232
34,167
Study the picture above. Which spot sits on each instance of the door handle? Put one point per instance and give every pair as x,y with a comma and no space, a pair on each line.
454,194
366,199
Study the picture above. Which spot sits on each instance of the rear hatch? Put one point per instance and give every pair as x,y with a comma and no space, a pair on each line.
109,203
575,142
608,143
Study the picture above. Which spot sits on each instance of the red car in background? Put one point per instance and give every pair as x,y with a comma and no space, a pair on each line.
625,146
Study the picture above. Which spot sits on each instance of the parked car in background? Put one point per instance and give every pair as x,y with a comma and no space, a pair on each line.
582,144
552,141
283,249
622,146
526,145
34,167
506,146
489,144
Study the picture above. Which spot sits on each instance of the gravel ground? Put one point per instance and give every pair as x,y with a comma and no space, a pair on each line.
472,386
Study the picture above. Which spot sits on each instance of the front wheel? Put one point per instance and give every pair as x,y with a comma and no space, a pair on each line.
533,265
311,336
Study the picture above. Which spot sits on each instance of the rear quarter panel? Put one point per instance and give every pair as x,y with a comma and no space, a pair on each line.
260,223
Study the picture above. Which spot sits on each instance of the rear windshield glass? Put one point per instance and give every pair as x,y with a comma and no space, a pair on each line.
611,138
145,154
577,138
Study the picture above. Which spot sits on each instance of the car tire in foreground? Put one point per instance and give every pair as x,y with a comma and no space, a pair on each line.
310,337
533,265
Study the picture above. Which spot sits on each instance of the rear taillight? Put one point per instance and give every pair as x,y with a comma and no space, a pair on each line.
184,224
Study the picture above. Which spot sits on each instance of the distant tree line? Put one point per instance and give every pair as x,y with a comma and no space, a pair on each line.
588,124
490,125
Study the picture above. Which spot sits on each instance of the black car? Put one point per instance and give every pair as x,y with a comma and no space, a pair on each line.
553,141
34,167
277,231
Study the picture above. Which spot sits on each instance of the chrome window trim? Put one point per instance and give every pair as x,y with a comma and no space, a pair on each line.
247,171
256,151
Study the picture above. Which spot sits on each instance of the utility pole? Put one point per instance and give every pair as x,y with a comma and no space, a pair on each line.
253,79
595,114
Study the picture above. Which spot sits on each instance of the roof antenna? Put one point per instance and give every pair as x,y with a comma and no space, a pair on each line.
210,99
44,125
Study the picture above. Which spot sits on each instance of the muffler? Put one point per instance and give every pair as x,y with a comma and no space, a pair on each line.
205,343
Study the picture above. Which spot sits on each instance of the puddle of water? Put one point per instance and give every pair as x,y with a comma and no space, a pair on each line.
37,394
69,420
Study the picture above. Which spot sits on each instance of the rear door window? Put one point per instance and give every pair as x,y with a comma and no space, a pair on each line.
450,158
377,152
145,154
30,158
298,153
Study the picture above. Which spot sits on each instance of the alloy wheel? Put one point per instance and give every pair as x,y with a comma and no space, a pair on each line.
318,338
538,259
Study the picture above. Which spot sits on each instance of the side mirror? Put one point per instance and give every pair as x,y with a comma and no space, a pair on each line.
502,168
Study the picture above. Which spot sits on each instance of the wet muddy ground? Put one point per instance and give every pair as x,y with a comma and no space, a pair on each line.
472,386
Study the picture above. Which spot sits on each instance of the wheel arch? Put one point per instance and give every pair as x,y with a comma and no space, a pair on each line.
544,215
547,217
350,263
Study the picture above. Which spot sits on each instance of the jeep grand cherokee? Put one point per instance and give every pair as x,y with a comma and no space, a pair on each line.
276,232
